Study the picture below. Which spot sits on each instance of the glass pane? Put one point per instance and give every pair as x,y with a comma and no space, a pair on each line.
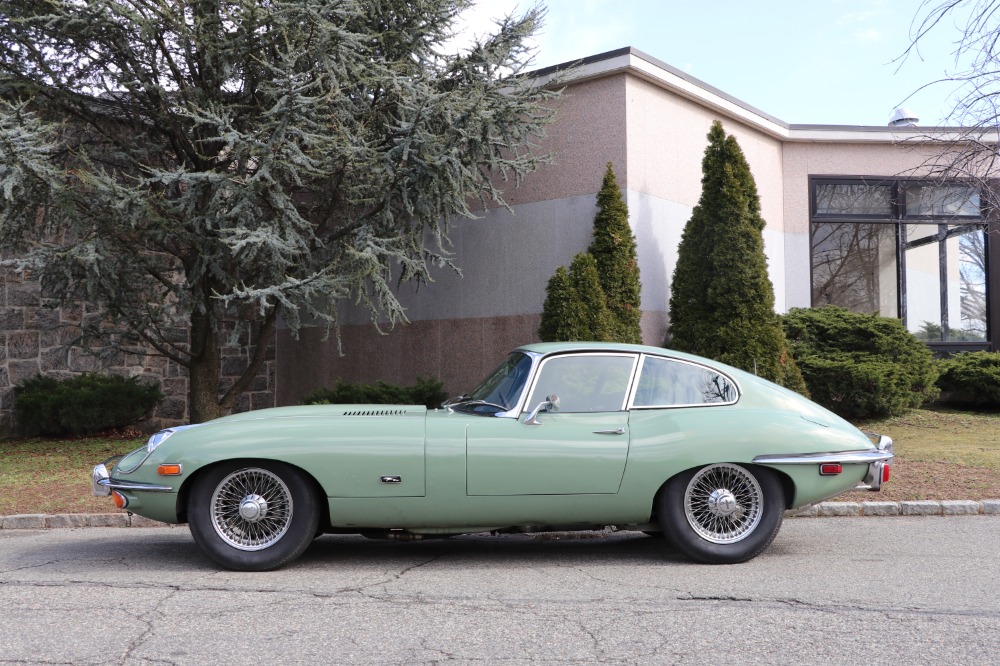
854,266
972,273
665,383
504,385
942,200
584,383
946,283
923,281
853,199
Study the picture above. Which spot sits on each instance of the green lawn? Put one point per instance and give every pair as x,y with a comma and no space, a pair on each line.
944,435
53,476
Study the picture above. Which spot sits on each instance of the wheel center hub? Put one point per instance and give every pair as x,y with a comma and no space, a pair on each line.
722,502
253,508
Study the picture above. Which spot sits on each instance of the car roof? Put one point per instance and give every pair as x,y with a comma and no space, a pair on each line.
585,346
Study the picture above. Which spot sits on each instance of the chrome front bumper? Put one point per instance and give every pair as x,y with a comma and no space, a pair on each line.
102,484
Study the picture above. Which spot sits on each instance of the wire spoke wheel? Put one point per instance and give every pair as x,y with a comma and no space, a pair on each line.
251,509
723,503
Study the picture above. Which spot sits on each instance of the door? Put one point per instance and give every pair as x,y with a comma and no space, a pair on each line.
579,449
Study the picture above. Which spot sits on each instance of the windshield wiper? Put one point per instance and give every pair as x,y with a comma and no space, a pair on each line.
451,401
470,402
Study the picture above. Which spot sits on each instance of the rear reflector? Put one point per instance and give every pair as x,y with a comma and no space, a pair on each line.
168,470
830,469
885,473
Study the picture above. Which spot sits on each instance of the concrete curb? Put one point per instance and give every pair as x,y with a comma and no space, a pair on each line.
912,508
41,521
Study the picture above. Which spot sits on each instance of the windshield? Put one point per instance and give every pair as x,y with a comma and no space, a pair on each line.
501,389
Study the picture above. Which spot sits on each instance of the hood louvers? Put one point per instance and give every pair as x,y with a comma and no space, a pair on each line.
376,412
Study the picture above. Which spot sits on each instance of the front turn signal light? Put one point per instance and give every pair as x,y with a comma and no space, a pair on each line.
168,470
120,500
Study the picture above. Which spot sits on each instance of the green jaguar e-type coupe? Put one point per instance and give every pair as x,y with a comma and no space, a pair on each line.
566,436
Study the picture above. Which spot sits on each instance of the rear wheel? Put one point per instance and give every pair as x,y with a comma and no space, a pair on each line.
253,517
722,513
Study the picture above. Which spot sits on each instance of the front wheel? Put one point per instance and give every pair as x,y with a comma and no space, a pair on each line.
723,513
253,517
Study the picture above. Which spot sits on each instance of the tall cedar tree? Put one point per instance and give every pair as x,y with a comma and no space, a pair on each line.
614,249
575,306
183,164
722,300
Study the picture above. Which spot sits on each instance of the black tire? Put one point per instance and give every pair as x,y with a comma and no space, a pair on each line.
722,513
253,516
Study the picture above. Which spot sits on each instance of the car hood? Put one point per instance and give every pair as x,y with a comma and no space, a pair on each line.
324,411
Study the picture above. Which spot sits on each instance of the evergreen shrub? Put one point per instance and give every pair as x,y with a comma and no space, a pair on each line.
428,392
615,256
598,298
721,298
575,305
971,379
860,366
82,404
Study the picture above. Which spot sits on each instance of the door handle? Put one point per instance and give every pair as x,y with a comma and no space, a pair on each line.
616,431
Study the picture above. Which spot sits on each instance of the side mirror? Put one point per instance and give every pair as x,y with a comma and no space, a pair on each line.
550,404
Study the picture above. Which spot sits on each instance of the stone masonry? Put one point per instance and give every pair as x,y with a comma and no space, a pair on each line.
35,339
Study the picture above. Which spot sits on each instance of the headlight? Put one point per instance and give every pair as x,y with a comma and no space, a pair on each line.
163,435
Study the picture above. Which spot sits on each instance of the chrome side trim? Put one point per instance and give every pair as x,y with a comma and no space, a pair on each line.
846,457
132,485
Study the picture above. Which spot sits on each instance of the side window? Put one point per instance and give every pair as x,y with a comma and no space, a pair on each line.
668,383
584,382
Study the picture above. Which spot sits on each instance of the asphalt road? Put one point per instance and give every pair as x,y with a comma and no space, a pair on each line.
829,590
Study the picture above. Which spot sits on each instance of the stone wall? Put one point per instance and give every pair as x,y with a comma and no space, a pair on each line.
35,339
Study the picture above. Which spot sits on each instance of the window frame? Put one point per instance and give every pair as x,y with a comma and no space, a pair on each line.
860,180
629,385
638,374
947,226
901,187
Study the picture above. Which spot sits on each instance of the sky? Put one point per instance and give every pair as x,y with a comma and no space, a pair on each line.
801,61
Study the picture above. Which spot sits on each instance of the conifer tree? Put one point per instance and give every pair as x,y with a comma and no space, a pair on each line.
722,300
183,165
614,250
562,312
597,321
575,307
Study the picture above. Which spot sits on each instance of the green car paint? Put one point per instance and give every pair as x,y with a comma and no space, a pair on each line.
457,469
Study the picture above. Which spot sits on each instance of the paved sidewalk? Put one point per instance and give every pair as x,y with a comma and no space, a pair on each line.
36,521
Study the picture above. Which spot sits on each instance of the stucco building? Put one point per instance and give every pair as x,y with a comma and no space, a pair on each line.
849,221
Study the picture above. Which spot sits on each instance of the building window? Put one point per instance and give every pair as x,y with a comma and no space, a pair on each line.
906,249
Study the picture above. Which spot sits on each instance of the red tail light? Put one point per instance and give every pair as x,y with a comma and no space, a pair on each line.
830,469
885,473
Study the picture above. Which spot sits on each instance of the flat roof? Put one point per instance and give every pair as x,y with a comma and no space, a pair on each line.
637,63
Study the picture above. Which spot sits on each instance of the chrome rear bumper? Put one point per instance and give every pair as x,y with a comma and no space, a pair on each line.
878,470
878,460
